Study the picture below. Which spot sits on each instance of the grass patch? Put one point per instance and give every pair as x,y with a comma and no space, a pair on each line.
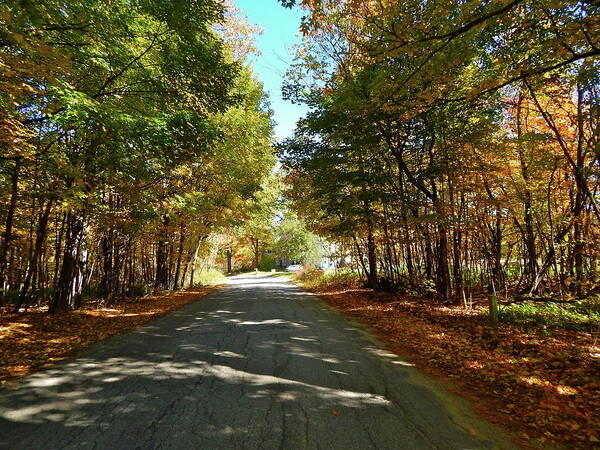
581,316
281,274
317,278
209,277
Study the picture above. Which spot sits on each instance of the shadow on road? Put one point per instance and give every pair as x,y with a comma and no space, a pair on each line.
257,365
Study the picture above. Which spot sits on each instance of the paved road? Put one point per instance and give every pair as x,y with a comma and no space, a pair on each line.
257,365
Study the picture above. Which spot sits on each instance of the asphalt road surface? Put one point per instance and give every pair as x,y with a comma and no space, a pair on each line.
259,364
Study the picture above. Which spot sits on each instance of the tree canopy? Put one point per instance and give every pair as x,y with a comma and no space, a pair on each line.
452,142
131,132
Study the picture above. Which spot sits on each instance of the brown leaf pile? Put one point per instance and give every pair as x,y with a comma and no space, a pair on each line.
541,383
36,338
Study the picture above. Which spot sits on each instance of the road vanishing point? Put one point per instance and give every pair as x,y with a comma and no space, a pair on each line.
259,364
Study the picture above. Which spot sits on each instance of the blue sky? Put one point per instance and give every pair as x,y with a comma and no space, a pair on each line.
281,32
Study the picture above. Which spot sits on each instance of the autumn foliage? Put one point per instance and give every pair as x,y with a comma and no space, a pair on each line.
122,128
451,154
452,145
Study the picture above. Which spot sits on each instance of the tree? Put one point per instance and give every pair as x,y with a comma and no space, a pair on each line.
294,242
258,225
123,150
408,151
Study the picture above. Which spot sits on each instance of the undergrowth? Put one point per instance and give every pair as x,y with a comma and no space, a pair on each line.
582,315
209,278
315,278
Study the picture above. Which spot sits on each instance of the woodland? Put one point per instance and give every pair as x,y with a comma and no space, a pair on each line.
134,137
448,168
452,147
448,151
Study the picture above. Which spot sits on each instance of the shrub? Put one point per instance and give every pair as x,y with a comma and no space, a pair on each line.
10,297
416,286
589,305
92,291
139,290
576,316
209,277
319,278
311,274
267,264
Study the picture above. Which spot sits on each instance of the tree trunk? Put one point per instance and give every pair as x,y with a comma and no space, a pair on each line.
255,248
497,272
107,248
179,256
193,261
579,245
532,264
14,191
428,253
359,255
531,267
161,281
229,257
444,286
35,263
60,231
443,269
371,257
71,279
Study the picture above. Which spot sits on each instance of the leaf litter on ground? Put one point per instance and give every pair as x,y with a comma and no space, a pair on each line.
31,340
542,383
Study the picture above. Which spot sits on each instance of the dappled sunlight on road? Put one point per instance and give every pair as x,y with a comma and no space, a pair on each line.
258,364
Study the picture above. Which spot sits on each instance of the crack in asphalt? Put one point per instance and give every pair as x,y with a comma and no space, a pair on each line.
257,365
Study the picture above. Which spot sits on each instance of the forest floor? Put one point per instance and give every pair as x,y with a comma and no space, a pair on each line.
36,339
540,382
